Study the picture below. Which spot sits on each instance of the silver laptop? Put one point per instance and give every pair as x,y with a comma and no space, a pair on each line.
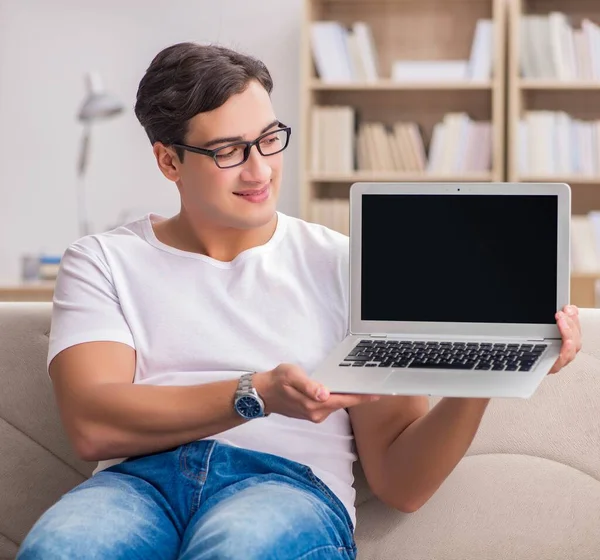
453,289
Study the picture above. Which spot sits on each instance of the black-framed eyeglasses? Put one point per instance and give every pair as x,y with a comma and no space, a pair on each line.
237,153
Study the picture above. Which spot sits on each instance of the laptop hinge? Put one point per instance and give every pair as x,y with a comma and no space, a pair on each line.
378,335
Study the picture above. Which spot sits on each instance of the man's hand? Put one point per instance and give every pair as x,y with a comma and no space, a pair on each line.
287,390
570,330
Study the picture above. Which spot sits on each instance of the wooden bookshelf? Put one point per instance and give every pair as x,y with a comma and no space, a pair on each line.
409,30
579,98
583,288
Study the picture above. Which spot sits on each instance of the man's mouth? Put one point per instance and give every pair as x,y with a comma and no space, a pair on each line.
252,192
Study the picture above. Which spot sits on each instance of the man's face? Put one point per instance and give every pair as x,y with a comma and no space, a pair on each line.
242,197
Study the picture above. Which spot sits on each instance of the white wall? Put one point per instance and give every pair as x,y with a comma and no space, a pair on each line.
46,46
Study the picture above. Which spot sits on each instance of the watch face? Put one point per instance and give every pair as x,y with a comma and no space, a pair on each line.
248,407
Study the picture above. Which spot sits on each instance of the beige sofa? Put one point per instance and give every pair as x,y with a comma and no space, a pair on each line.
528,489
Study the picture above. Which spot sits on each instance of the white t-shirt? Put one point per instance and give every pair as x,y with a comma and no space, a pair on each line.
193,319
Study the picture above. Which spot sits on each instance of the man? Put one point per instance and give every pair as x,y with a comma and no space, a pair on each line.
184,344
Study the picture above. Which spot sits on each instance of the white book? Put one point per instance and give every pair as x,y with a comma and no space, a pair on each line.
362,153
569,49
429,70
540,142
359,67
531,41
583,54
480,60
576,153
397,155
587,148
526,54
456,126
368,50
584,253
416,141
563,145
594,219
373,148
592,32
328,41
558,23
436,147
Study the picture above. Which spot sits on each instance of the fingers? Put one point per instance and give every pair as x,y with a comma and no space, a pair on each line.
573,316
302,397
346,401
567,354
295,377
568,324
567,321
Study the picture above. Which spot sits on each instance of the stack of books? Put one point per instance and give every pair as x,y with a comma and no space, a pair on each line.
551,48
552,143
458,145
344,54
348,54
396,148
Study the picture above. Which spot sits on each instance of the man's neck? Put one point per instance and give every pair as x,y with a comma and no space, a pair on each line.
218,242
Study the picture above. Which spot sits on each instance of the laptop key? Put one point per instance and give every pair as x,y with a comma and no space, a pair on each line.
358,364
441,365
345,364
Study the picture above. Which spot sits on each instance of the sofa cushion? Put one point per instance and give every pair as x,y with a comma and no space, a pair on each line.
529,508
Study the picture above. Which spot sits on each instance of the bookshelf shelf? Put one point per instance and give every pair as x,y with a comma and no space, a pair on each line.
584,85
406,37
389,85
400,177
570,179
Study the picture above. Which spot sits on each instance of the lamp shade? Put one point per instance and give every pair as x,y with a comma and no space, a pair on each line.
98,104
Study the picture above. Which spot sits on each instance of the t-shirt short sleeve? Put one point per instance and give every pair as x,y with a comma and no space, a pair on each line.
86,307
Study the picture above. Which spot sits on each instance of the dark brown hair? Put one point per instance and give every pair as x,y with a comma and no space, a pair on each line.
186,79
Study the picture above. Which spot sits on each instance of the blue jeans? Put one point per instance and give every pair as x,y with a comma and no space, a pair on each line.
203,500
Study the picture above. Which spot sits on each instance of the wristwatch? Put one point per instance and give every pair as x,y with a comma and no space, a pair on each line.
247,403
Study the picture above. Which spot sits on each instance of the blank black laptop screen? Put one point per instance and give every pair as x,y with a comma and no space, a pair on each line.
459,258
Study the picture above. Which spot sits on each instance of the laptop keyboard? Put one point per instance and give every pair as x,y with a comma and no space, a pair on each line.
444,355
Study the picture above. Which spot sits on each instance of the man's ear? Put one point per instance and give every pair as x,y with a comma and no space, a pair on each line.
167,160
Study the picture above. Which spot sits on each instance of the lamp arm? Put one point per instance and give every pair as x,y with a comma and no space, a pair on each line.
84,228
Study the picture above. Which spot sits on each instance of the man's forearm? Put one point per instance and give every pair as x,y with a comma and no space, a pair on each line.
426,452
122,420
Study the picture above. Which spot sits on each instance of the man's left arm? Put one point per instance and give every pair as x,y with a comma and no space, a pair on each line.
407,450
